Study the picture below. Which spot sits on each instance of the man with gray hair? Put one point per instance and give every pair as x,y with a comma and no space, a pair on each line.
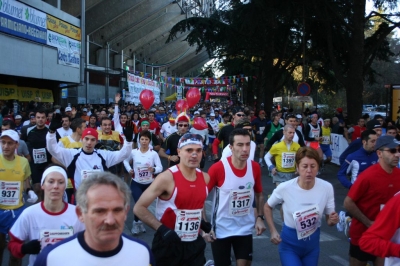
102,205
284,153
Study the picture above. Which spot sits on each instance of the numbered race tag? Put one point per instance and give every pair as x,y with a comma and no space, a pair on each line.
326,140
39,156
315,132
86,173
9,193
240,202
288,159
52,236
307,221
187,224
262,130
144,175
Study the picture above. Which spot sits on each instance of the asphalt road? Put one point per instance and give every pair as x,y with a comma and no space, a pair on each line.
334,245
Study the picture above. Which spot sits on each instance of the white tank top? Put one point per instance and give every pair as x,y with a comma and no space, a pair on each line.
314,132
233,213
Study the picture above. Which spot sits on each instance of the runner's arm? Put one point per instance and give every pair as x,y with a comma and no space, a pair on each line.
114,157
352,208
63,155
127,164
157,163
342,174
267,159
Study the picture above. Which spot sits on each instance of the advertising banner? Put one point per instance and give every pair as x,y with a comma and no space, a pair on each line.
65,57
136,84
25,94
64,28
23,21
338,145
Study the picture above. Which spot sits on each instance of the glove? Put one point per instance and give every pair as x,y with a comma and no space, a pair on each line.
32,197
168,235
31,247
128,132
56,122
205,226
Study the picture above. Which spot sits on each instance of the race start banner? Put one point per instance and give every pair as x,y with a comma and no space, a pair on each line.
136,84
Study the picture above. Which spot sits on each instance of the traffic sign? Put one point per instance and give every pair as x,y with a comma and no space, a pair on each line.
303,89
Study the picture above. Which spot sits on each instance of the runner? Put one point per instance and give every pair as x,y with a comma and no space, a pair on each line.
14,179
238,184
305,201
325,141
259,125
213,128
102,205
181,192
313,134
284,156
45,223
357,129
65,130
146,163
374,187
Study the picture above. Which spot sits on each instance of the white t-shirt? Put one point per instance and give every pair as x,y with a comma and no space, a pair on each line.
293,199
227,151
215,126
141,162
167,129
35,218
64,133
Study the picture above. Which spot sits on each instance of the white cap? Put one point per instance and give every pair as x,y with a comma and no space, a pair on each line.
18,117
68,109
298,116
197,113
200,109
84,110
212,114
10,133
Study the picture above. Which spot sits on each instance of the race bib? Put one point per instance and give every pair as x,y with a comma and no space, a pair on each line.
288,159
262,130
86,173
326,140
10,192
306,221
39,156
144,175
315,133
52,236
240,202
187,224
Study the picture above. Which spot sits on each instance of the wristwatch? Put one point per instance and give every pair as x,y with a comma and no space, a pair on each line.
261,216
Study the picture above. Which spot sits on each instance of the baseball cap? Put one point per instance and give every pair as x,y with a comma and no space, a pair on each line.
182,118
200,109
68,109
169,111
161,109
10,133
340,110
299,116
90,131
212,114
18,117
197,113
373,124
216,109
237,110
84,110
386,141
327,119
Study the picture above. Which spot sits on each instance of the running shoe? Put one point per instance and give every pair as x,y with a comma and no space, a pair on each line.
209,263
135,228
141,227
347,226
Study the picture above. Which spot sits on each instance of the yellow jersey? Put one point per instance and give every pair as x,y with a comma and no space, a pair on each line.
284,156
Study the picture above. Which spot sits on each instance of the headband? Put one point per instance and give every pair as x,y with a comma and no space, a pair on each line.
189,138
52,169
145,122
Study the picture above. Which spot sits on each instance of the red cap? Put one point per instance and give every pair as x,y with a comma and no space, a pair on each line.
339,110
90,131
182,118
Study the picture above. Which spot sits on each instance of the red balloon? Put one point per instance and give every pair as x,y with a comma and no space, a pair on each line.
181,106
193,97
200,123
146,98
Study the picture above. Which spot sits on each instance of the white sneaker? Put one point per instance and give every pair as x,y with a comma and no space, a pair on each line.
209,263
141,227
135,228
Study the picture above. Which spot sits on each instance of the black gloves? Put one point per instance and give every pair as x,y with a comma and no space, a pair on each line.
56,122
205,226
128,131
31,247
168,235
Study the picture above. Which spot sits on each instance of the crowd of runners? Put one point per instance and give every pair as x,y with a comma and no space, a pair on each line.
67,175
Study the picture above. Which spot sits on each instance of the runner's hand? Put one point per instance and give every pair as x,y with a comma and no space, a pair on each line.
168,235
56,122
128,132
260,226
210,237
31,247
275,238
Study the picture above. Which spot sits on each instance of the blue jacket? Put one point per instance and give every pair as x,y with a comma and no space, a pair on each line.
353,147
354,165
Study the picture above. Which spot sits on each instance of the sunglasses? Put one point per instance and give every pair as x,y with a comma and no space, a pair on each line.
240,115
183,125
392,151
